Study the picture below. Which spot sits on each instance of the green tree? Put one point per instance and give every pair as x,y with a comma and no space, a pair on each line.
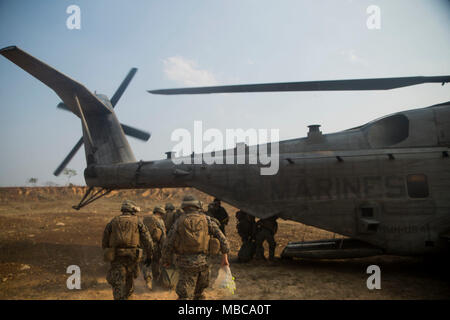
32,181
69,173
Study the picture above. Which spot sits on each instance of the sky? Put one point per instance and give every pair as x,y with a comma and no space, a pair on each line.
190,43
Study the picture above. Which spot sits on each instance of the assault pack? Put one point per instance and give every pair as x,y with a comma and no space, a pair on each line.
125,232
155,226
192,234
124,239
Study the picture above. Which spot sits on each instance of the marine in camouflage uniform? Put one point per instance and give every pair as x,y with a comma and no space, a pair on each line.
151,266
193,267
246,228
124,239
265,231
170,216
215,210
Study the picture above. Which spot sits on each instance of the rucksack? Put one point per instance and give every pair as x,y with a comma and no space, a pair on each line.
125,232
155,226
192,234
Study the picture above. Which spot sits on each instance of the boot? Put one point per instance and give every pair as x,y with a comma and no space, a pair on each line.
272,255
199,297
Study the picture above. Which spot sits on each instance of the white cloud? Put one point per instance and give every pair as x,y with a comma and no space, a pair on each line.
186,72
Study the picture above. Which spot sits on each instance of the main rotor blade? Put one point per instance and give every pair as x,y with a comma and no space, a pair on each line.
62,106
136,133
326,85
69,157
115,98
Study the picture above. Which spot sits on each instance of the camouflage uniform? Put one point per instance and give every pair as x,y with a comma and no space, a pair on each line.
215,210
157,229
193,268
265,231
170,216
125,264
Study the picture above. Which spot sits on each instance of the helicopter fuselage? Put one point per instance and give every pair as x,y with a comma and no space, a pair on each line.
386,183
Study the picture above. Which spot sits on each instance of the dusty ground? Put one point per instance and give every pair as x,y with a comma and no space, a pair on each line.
40,236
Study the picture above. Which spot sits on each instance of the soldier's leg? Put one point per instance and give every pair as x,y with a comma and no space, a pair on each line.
132,268
129,284
186,283
272,245
156,271
116,277
147,273
259,252
202,283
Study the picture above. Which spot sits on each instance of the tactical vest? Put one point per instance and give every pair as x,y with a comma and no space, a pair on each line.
125,232
192,235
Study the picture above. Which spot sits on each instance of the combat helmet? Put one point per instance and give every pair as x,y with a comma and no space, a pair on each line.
190,201
129,206
169,206
159,209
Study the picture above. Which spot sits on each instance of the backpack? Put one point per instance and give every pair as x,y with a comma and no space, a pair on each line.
125,232
192,234
155,226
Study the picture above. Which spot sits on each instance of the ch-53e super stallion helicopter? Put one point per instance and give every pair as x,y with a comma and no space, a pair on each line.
385,185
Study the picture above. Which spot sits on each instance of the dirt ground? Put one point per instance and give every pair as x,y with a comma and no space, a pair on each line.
41,235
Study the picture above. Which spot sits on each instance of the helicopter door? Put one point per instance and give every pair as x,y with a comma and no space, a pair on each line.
367,218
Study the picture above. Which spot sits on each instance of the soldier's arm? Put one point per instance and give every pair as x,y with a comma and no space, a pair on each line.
163,237
106,236
162,227
215,231
146,238
225,218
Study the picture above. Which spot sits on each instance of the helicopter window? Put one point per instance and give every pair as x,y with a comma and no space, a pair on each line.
417,186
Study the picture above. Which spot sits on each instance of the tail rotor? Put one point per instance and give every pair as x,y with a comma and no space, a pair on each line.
129,131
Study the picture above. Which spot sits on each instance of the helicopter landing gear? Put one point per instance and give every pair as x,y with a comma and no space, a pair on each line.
90,196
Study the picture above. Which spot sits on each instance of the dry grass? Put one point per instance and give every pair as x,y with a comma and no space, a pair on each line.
40,230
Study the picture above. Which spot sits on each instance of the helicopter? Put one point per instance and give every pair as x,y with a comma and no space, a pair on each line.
384,185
